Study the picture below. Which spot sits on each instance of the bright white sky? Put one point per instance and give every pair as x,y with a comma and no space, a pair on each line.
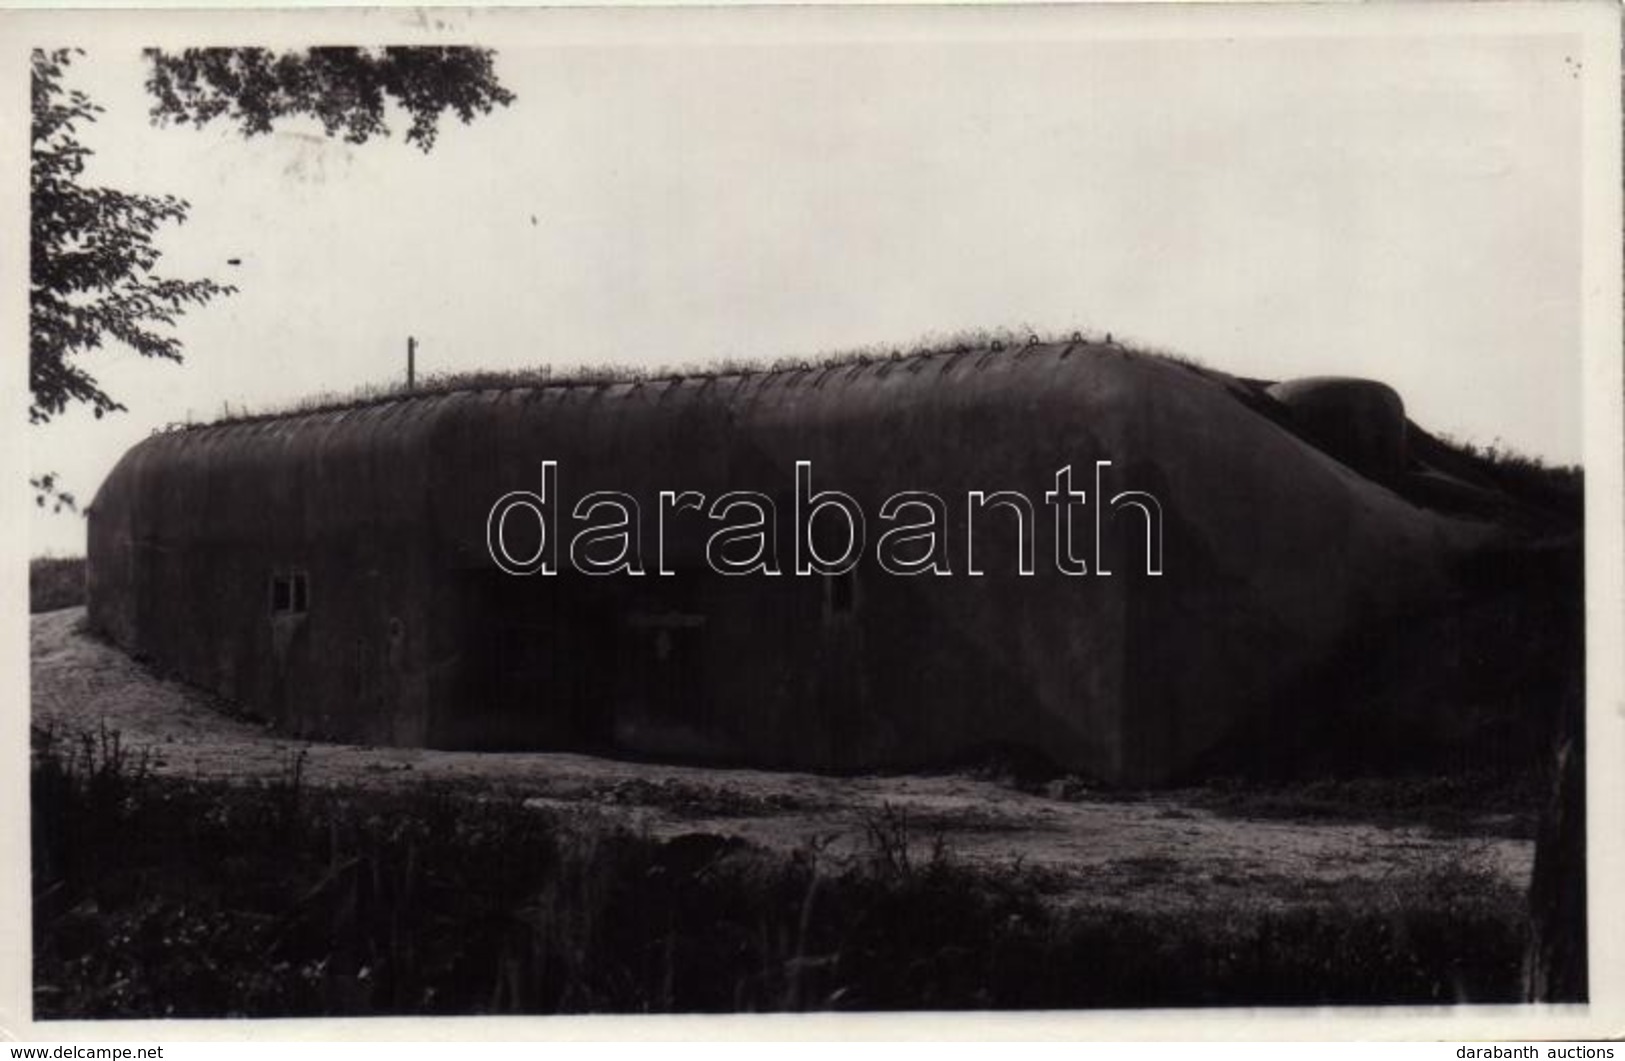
1399,207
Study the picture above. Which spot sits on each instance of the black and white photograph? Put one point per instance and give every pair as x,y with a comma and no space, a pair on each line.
1080,509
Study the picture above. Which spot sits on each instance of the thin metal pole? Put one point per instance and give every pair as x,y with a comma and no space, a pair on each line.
411,362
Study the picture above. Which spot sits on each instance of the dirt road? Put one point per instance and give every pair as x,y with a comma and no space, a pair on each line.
1164,847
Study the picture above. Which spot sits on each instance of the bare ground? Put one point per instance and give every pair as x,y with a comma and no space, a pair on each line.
1160,848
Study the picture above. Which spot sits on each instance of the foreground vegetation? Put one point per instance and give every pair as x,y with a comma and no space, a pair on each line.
157,896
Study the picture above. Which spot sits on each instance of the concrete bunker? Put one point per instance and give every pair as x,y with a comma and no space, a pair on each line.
329,569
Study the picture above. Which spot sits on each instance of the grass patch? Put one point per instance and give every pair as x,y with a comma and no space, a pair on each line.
1484,804
55,582
692,799
165,897
1451,804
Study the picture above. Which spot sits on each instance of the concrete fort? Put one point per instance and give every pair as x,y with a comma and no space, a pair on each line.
333,570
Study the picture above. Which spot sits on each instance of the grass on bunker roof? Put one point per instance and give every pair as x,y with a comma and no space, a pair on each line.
991,340
169,897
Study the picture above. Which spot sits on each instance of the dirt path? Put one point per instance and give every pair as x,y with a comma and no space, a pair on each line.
1161,846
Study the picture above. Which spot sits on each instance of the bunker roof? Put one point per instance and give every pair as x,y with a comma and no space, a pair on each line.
852,368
